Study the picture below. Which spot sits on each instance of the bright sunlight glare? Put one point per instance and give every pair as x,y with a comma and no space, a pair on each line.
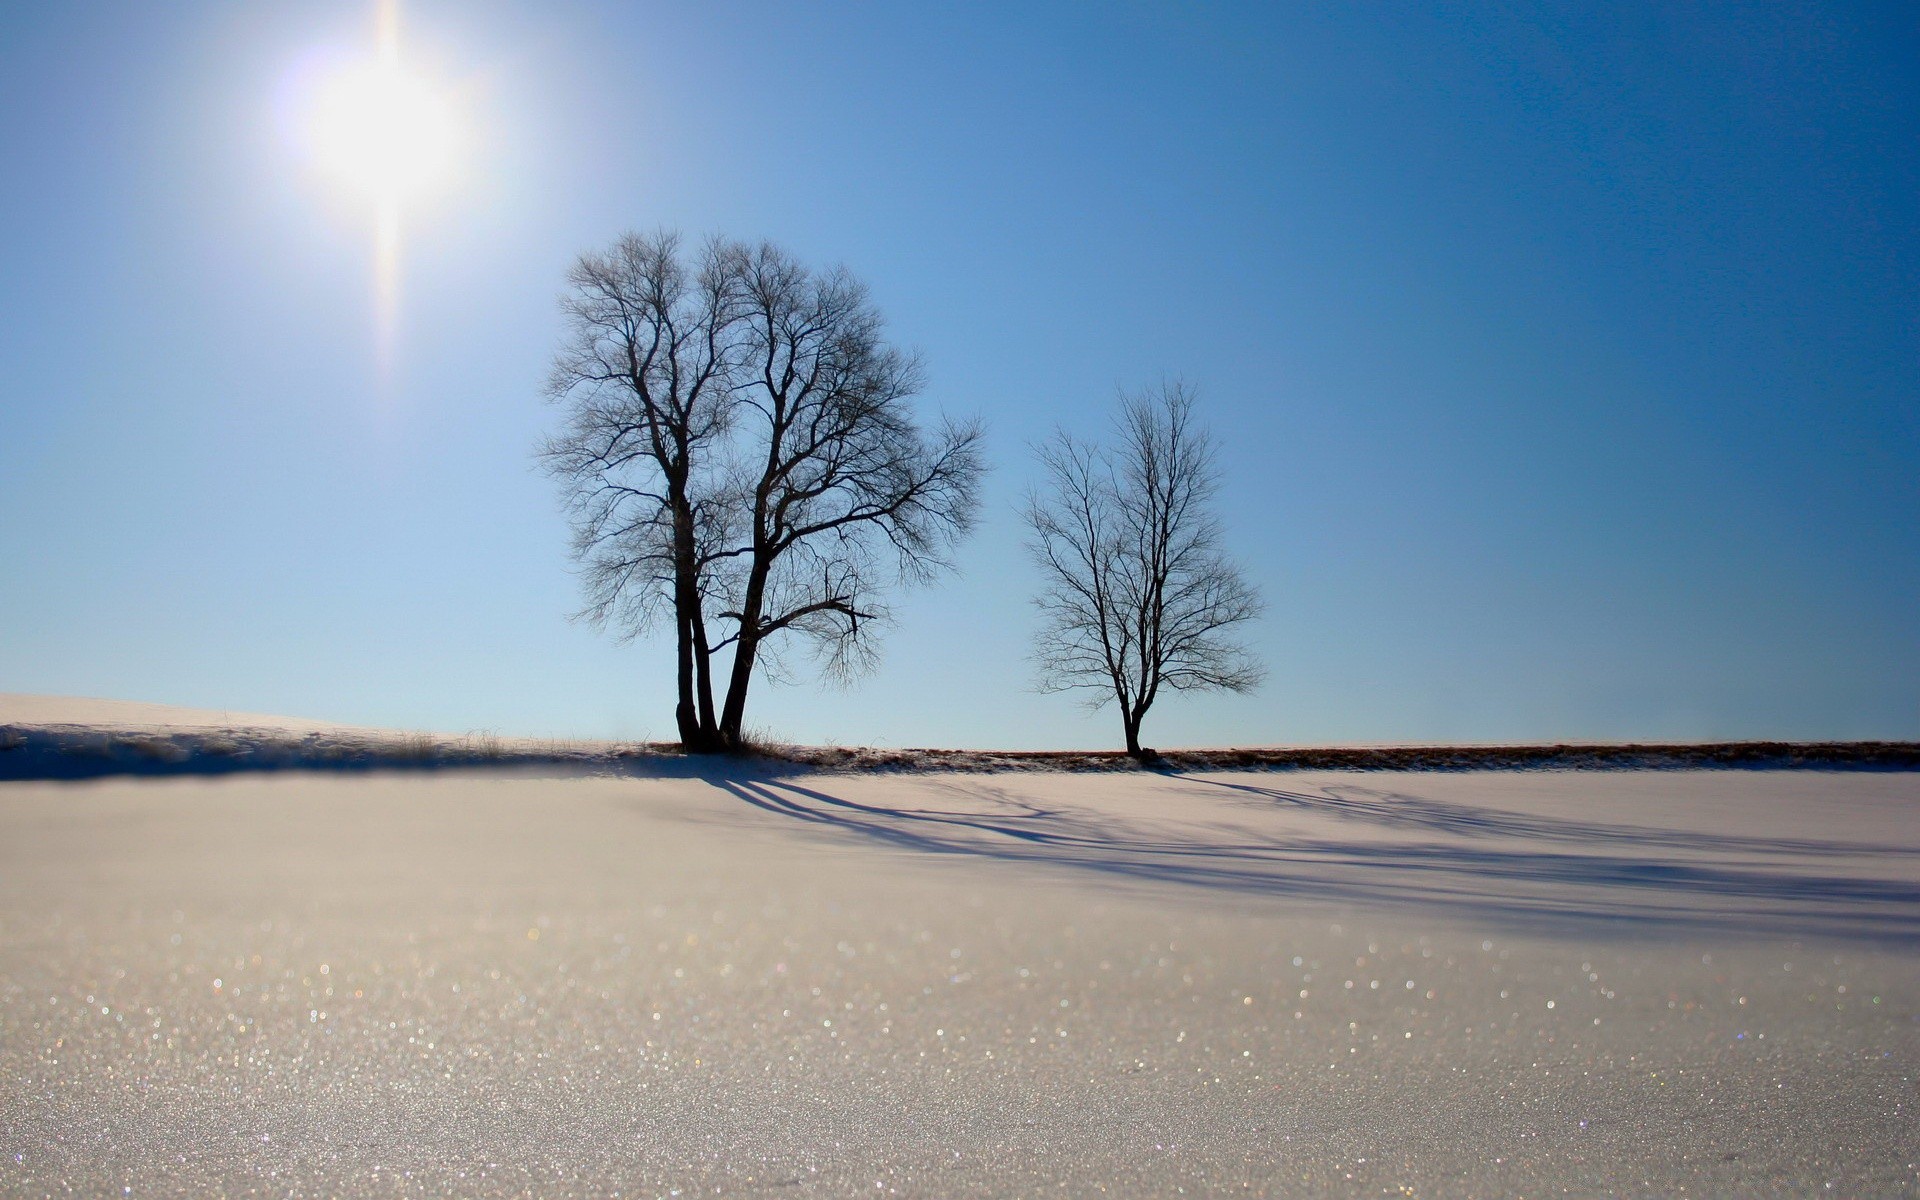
390,137
382,131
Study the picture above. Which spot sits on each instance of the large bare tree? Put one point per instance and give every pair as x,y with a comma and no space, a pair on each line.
741,451
1138,596
840,494
647,372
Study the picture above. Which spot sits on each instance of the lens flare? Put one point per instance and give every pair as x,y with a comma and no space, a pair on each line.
390,137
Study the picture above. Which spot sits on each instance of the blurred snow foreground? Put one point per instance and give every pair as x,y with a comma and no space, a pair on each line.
744,983
762,976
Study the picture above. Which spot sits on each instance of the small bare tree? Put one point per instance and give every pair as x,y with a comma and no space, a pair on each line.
1138,596
740,452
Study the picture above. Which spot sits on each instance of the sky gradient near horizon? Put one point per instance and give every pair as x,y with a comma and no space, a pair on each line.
1566,359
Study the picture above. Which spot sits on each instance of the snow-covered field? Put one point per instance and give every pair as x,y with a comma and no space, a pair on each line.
514,983
67,737
21,708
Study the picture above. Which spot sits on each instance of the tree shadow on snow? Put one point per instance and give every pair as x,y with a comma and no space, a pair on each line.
1543,873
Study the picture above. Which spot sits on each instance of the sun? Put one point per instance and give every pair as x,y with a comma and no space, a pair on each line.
387,136
382,131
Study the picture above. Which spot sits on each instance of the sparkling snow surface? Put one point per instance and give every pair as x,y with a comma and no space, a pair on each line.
1606,983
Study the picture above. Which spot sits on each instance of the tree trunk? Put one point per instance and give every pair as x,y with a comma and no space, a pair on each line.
684,715
703,683
1134,717
735,711
694,712
747,647
745,650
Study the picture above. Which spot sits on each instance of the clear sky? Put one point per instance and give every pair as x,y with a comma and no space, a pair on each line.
1566,358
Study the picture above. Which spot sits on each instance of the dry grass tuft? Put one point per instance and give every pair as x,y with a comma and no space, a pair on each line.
159,749
482,744
416,747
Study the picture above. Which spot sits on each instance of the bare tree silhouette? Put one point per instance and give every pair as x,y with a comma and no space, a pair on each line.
1138,595
839,493
741,451
647,372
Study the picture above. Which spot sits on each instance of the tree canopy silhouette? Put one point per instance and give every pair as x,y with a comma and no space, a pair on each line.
741,455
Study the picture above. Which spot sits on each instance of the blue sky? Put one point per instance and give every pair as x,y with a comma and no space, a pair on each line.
1565,357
